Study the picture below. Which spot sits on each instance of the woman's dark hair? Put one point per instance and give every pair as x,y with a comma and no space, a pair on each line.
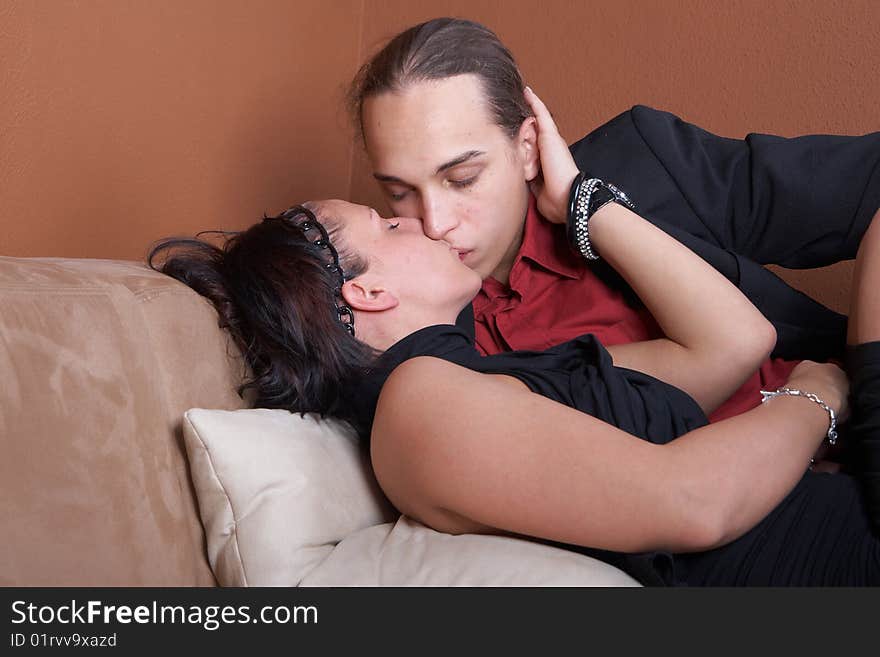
439,49
278,299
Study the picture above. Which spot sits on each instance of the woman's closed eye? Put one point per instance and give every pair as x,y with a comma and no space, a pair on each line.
393,225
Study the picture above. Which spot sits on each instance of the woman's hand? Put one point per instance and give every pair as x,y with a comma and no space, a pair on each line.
831,385
552,184
825,380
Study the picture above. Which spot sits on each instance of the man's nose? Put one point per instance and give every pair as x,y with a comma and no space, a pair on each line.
437,218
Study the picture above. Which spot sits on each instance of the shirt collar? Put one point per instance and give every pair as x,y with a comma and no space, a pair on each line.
546,245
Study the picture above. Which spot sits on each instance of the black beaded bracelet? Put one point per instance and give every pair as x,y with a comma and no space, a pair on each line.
585,197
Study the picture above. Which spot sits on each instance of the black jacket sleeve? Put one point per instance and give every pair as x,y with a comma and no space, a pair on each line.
797,202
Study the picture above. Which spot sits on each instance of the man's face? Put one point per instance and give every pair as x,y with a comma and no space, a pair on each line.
439,157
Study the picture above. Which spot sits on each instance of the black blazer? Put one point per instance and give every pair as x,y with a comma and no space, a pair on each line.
797,202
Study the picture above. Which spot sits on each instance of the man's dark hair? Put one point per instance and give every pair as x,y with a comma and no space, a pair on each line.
439,49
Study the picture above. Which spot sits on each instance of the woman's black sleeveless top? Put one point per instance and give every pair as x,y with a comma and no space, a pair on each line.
578,373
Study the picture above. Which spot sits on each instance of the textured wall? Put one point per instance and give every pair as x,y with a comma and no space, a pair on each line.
123,121
783,67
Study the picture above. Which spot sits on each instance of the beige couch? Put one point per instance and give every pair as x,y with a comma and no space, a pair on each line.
104,481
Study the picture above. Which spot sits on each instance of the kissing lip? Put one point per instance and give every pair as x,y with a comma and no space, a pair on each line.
462,253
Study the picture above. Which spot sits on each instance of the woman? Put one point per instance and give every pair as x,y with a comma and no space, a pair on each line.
464,443
453,141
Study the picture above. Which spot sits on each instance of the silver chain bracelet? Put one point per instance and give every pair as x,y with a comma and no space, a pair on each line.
585,208
832,428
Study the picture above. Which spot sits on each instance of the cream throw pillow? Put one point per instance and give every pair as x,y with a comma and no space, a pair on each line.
288,500
407,553
277,491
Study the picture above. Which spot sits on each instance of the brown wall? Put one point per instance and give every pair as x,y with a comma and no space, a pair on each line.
732,67
124,121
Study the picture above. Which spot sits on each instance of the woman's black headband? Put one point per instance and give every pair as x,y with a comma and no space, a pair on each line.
306,221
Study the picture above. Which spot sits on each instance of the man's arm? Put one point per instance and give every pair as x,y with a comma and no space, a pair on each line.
801,202
797,202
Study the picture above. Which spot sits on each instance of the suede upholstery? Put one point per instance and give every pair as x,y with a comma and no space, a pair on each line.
100,359
113,476
101,362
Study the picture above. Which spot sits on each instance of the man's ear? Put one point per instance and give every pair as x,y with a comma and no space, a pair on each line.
365,295
527,142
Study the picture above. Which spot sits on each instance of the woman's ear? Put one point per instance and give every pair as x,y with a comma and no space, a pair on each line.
363,294
527,141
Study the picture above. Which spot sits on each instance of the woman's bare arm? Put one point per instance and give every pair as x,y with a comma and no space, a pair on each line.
469,452
714,337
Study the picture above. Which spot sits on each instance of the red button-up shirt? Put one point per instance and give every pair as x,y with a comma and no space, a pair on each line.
553,296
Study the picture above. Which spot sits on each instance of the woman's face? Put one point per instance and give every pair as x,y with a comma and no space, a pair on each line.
439,157
400,259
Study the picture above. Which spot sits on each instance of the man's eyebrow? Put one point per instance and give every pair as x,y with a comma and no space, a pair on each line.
381,177
461,159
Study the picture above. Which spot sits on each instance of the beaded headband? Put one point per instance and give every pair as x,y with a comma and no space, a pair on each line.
305,220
